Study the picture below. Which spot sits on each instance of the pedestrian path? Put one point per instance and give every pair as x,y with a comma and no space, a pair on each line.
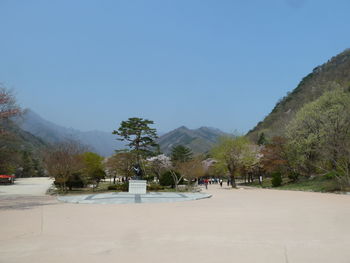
127,198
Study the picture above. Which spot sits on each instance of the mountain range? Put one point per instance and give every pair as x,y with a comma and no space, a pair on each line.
36,132
105,143
101,142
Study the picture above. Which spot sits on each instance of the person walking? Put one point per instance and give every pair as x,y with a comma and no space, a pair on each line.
220,182
206,181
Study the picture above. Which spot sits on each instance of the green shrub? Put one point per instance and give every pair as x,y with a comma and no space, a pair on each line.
167,180
276,179
76,180
124,187
148,178
293,176
112,187
330,176
155,187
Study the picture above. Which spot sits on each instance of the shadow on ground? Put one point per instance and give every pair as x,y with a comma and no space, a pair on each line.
25,202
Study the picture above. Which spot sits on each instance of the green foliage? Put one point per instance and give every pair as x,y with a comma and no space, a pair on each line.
167,180
315,184
140,137
293,176
329,76
18,148
27,165
262,139
330,176
76,180
232,154
112,187
124,187
155,187
148,178
181,154
276,179
320,133
93,169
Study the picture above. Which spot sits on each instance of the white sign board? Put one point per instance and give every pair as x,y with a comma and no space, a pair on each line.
137,186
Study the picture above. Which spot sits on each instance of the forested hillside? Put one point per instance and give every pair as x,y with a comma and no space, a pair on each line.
333,74
20,151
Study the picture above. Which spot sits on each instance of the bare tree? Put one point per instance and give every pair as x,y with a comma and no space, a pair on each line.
9,154
191,169
159,164
8,106
64,159
121,164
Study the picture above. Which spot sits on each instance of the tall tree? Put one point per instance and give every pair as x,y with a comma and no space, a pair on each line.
140,136
181,153
320,133
93,169
121,164
229,153
275,156
159,164
27,165
262,139
63,160
191,169
9,149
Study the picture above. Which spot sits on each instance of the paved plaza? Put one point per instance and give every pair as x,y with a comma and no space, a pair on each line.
126,198
243,225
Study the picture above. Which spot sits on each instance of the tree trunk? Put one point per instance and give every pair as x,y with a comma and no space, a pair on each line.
233,181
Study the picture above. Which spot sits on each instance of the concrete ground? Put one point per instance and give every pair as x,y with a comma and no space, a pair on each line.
248,225
127,198
36,186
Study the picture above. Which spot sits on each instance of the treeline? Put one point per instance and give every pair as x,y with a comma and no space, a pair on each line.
316,142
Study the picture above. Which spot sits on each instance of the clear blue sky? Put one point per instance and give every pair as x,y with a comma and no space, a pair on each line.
91,64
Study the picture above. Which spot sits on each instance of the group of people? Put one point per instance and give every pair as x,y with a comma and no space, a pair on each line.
207,181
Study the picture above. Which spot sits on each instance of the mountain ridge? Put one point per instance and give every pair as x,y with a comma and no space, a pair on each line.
198,140
102,142
335,73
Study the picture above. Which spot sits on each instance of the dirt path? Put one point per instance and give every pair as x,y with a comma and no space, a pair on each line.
35,186
247,225
26,193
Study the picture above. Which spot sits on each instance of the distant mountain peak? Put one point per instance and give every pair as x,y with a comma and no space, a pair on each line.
104,143
198,140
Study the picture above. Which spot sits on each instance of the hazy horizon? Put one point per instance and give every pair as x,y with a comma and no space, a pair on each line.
88,65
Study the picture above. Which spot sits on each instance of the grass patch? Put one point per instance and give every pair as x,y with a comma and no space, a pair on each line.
316,184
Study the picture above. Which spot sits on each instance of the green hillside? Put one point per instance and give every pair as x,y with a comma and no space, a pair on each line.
334,73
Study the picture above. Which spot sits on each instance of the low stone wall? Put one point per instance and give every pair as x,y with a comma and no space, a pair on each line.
137,186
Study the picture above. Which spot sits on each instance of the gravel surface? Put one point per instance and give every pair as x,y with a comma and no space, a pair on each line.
245,225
